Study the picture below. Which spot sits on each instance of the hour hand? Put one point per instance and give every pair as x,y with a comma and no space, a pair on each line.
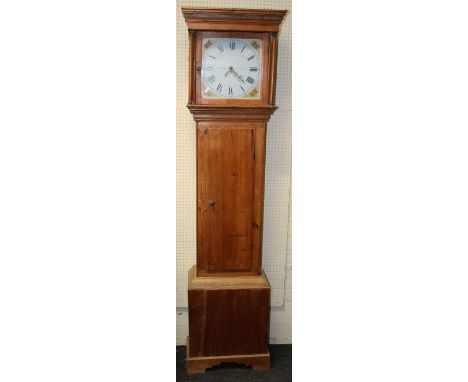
230,71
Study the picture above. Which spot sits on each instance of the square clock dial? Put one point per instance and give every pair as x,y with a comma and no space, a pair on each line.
231,68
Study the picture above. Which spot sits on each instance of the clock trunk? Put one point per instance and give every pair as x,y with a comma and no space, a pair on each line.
230,167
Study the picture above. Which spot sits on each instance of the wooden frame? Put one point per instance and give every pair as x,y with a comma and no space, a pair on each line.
269,62
266,89
231,22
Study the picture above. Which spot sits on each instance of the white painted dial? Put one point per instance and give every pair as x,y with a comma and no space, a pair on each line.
231,68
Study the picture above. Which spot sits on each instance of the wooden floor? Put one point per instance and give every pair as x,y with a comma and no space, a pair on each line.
280,370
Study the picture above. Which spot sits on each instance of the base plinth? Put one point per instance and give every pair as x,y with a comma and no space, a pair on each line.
229,321
200,364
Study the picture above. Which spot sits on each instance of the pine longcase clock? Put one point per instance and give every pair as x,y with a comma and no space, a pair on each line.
232,79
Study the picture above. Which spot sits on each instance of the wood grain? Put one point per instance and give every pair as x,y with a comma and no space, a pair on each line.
230,188
233,19
217,304
259,113
226,281
273,60
200,364
225,179
192,53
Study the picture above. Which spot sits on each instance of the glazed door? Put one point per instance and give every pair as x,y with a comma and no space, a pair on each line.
225,193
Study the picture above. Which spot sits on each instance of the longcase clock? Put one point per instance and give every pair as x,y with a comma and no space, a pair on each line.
232,80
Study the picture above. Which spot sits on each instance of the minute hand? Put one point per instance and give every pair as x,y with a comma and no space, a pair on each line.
237,76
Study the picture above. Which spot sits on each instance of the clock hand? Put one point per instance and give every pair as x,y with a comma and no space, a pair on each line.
230,71
236,75
233,72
